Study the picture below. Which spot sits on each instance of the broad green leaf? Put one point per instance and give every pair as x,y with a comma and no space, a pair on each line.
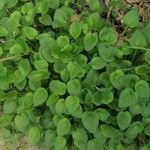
21,122
91,145
74,87
108,35
40,96
72,103
11,3
29,32
123,120
62,41
147,57
134,129
75,29
94,4
41,65
5,120
52,100
53,4
49,138
142,69
60,143
3,31
98,63
128,98
131,18
105,52
137,39
147,130
9,107
24,67
57,87
90,40
63,127
90,121
46,19
80,135
143,90
60,106
102,114
34,135
110,132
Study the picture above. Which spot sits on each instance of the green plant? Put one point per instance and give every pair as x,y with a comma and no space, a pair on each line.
69,79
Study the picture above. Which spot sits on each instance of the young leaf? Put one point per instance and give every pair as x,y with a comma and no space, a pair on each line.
63,127
39,96
60,143
131,18
128,98
21,122
9,106
60,106
90,40
123,120
24,67
57,87
143,90
29,32
94,4
34,135
90,121
72,103
3,31
138,39
74,87
98,63
75,29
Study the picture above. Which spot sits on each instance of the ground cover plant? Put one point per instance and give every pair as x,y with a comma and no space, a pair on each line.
74,77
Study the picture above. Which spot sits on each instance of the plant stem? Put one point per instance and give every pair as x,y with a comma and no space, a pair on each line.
140,48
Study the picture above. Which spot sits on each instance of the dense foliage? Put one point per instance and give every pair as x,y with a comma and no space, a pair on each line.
70,78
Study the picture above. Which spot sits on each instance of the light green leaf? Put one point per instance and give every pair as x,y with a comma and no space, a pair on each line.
34,135
75,29
57,87
128,98
72,103
24,67
3,31
9,106
90,121
74,87
94,4
131,18
123,120
98,63
60,143
90,40
60,106
29,32
53,4
40,96
45,19
63,127
143,90
138,39
21,122
52,100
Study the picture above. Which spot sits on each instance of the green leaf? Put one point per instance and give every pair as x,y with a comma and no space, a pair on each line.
72,104
60,106
110,132
131,18
41,65
138,39
105,52
63,127
128,98
11,3
60,143
90,121
143,90
46,19
52,100
102,114
90,40
62,41
34,135
91,145
80,135
40,96
57,87
74,87
21,122
75,29
29,32
142,69
94,4
53,4
49,138
147,130
5,120
98,63
108,35
123,120
24,67
3,31
9,107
